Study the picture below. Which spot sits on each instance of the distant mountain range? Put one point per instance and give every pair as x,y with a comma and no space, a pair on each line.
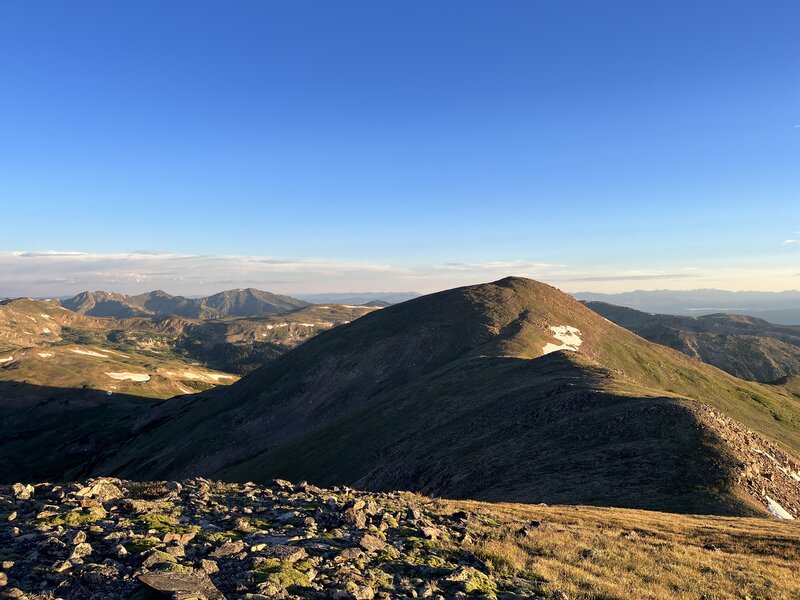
777,307
744,346
358,298
232,303
42,343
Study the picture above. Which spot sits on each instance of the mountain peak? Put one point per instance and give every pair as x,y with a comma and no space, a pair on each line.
247,302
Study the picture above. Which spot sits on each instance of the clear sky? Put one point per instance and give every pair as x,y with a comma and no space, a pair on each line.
398,145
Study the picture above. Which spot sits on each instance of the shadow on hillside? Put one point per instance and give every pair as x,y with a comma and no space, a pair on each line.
548,429
52,433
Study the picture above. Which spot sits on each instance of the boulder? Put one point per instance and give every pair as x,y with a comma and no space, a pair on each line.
182,586
22,491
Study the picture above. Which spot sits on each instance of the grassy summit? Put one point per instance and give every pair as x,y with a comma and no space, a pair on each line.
451,394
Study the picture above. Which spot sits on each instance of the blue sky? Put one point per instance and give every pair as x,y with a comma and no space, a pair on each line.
343,145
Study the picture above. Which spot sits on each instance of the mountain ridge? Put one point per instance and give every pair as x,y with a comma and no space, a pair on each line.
745,346
454,394
235,302
778,307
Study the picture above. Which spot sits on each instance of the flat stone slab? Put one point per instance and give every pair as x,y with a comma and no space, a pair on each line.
182,586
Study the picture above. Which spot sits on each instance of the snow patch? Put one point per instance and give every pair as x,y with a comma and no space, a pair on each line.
570,338
205,376
362,306
44,354
46,330
217,377
88,353
44,316
125,375
6,359
777,510
781,468
192,376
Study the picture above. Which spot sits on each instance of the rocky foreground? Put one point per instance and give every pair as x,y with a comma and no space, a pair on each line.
198,539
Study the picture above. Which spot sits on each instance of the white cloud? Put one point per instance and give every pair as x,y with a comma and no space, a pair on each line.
62,273
790,242
499,265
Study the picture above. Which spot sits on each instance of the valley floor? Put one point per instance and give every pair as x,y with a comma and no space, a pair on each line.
107,538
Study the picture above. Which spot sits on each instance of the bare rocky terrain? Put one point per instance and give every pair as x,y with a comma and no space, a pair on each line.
107,538
199,539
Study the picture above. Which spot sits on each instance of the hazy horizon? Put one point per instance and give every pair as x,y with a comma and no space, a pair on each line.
189,286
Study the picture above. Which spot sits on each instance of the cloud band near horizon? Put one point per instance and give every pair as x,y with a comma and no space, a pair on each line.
61,273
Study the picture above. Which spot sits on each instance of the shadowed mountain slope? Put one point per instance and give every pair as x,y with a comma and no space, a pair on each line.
505,391
744,346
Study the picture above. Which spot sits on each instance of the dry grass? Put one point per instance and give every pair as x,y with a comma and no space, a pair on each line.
618,553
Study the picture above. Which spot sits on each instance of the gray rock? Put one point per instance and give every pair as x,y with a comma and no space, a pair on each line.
289,554
102,491
371,543
182,586
77,537
81,550
209,566
228,549
22,491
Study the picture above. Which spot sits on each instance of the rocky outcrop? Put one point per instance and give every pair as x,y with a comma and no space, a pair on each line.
199,539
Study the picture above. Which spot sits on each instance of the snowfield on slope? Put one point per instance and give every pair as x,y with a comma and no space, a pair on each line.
125,375
88,353
777,510
570,338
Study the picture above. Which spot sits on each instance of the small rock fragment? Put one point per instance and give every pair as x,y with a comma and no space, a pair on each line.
228,548
371,543
22,491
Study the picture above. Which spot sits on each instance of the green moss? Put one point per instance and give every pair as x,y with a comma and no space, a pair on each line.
157,521
382,579
405,532
176,568
163,558
273,571
74,518
217,537
165,523
306,564
139,546
390,520
480,583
